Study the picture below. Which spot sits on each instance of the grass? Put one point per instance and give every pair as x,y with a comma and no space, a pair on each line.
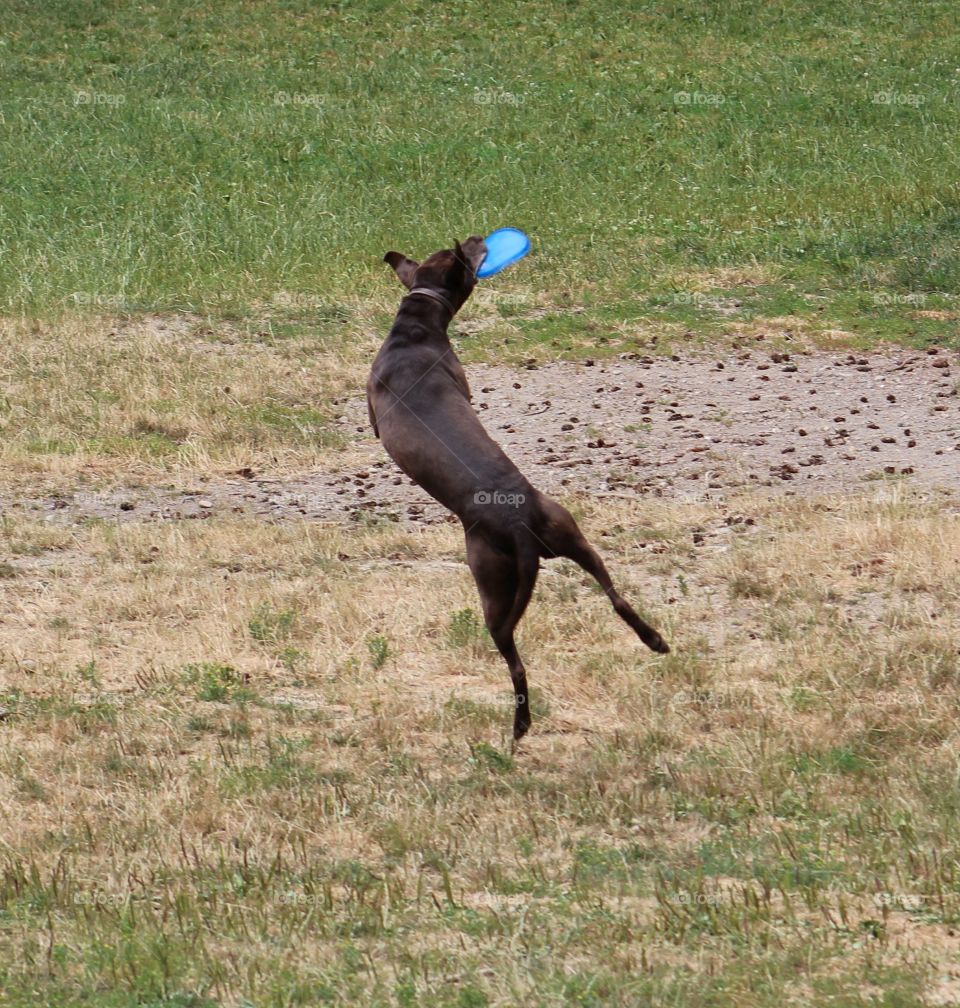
151,396
197,201
242,765
190,824
230,157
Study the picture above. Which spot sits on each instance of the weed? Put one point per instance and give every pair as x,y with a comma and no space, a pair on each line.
379,650
466,630
271,626
214,682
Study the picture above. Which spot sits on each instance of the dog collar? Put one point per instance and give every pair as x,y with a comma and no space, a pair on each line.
436,297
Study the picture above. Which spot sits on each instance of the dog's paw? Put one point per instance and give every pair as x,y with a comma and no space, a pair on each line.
657,644
521,725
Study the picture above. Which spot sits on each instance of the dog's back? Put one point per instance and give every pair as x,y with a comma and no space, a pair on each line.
419,395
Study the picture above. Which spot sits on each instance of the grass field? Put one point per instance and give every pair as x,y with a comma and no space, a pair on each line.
215,157
265,763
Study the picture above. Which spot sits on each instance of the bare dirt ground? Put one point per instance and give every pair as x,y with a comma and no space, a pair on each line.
684,428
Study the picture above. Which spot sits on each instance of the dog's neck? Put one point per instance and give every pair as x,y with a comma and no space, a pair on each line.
436,296
429,307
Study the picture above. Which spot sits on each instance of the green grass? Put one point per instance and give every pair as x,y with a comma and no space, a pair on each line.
228,156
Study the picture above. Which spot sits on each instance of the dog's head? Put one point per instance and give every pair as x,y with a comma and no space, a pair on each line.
451,273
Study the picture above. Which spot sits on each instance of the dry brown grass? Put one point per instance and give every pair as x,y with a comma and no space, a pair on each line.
269,761
161,394
723,277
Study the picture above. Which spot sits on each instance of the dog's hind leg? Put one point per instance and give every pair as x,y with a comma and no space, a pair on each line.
505,581
561,535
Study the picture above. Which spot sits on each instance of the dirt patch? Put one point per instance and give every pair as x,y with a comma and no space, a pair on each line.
689,428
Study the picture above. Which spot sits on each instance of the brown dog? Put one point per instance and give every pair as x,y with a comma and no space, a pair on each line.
419,405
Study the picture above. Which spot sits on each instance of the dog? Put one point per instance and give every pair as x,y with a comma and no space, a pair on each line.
418,402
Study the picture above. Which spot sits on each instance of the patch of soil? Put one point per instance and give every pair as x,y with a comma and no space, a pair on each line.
684,427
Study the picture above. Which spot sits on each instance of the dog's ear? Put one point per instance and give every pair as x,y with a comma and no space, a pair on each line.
472,252
404,268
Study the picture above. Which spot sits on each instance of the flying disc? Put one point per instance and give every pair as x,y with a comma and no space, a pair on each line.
504,247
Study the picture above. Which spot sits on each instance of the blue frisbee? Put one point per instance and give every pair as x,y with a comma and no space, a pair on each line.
504,247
